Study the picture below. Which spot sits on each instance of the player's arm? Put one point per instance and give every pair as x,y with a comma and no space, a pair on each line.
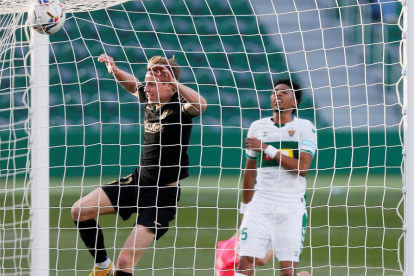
195,105
249,178
126,80
300,166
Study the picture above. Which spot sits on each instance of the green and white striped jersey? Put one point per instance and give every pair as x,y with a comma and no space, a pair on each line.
274,184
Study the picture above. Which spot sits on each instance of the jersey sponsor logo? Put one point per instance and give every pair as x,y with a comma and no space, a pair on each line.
153,127
308,143
291,132
264,134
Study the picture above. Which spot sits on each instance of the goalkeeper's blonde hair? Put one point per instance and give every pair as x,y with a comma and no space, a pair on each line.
171,65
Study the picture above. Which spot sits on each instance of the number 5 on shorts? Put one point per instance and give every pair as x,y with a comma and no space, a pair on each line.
244,234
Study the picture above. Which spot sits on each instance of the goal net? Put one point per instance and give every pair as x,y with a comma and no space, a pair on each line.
346,55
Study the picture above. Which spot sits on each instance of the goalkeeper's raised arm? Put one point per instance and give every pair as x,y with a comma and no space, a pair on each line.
126,80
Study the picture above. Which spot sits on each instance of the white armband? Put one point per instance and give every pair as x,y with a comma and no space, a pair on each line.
242,207
271,151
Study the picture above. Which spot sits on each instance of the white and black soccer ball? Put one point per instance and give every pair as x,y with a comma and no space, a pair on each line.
47,16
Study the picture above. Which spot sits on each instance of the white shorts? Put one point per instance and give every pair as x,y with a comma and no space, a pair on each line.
266,226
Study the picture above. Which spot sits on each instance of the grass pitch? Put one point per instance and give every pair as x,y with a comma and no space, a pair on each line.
353,227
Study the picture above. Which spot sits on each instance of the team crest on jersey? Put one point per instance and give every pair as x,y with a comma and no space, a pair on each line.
291,132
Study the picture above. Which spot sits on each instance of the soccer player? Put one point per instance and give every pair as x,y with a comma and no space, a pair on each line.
279,151
152,190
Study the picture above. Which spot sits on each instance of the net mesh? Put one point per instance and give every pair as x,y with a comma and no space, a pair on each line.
14,151
21,6
344,53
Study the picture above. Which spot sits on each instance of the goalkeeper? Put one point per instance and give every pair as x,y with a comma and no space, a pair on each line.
280,150
152,191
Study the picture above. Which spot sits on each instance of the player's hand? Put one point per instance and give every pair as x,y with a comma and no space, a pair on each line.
161,73
109,62
255,144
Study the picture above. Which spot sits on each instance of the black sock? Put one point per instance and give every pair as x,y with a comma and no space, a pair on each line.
92,236
121,273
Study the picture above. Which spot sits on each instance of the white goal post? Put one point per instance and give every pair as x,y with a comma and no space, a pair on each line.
39,139
408,151
46,157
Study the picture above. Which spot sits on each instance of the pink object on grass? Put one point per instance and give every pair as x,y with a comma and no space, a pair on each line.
226,257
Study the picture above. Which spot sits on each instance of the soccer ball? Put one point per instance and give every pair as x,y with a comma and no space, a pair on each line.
47,16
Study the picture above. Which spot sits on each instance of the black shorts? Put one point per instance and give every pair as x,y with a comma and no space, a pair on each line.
156,206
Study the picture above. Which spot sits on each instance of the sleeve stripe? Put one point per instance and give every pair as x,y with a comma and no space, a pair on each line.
250,157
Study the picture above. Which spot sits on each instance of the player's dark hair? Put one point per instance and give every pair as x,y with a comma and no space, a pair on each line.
295,87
